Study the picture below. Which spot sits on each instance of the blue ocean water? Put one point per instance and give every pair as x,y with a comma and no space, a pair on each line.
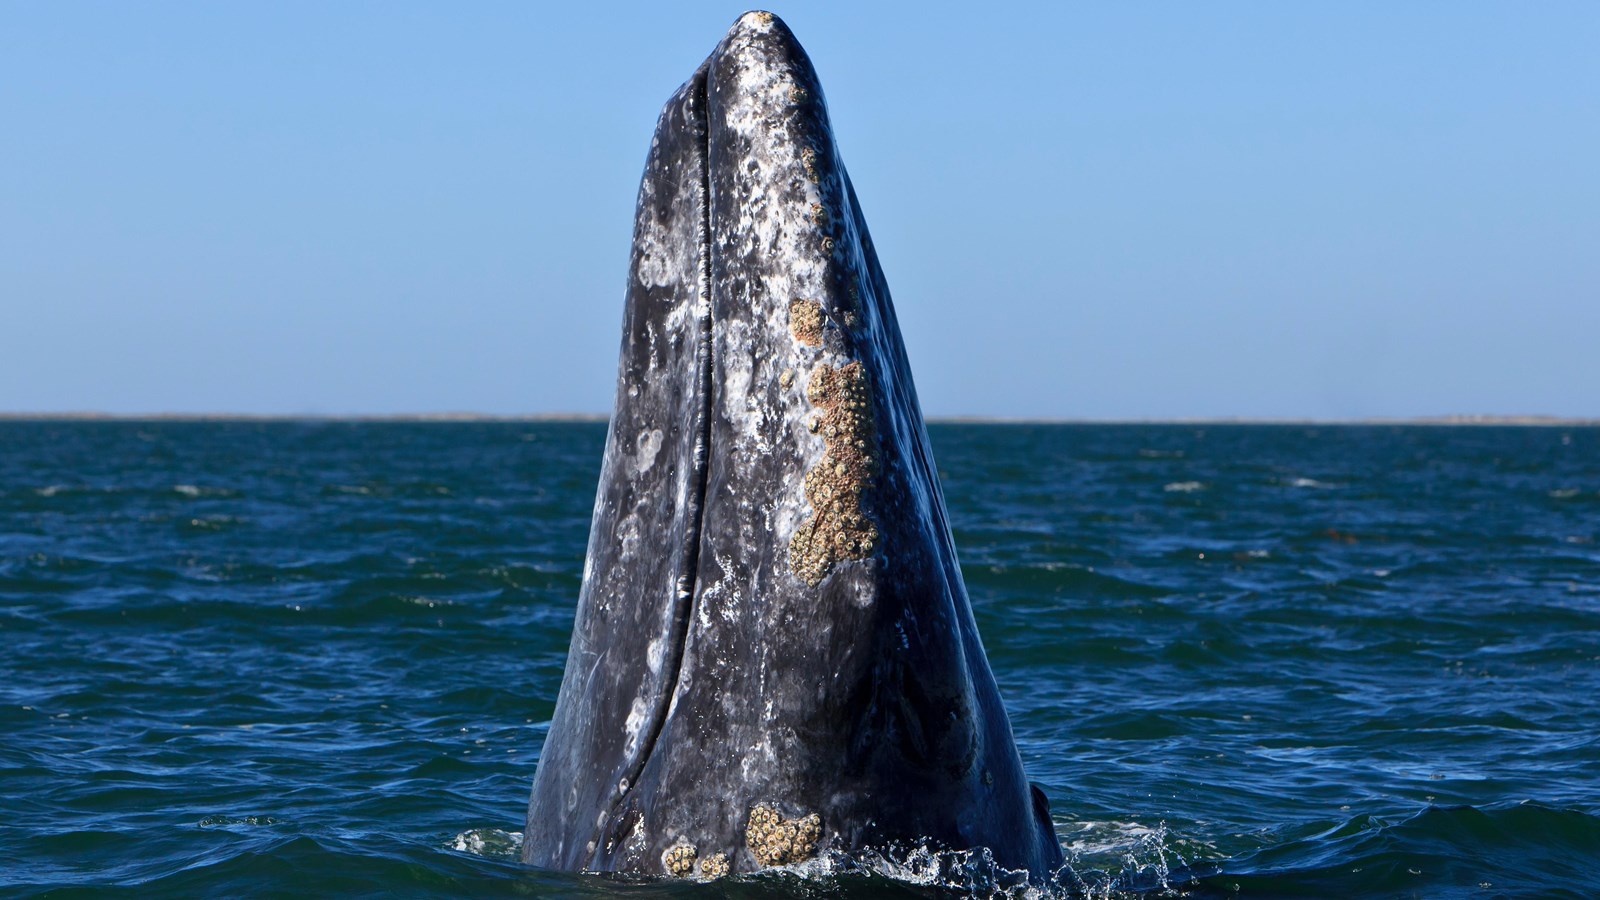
263,659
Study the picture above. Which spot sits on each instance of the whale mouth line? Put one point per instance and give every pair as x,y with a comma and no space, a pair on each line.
683,601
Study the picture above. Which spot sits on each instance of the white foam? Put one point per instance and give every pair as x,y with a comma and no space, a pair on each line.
491,843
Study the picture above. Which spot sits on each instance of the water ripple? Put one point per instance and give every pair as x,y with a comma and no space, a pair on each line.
249,658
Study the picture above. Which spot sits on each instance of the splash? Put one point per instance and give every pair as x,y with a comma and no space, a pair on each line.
489,843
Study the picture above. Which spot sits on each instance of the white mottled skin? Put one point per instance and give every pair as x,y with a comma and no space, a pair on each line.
649,447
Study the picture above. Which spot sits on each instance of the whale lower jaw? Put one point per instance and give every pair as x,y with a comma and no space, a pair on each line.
773,655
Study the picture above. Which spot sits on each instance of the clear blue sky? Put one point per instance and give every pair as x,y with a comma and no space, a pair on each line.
1098,210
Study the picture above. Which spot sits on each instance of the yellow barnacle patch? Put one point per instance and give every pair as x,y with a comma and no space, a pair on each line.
805,322
776,841
679,860
838,529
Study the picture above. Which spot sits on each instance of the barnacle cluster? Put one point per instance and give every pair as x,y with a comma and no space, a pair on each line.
776,841
808,157
806,321
679,860
714,866
838,529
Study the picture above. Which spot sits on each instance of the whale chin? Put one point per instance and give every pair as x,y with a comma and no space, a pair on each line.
774,656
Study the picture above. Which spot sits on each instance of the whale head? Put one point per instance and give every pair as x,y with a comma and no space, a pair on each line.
774,656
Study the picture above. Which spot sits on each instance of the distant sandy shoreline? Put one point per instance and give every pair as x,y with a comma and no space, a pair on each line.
298,417
1531,421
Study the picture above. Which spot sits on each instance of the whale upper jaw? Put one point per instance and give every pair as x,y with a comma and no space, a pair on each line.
773,654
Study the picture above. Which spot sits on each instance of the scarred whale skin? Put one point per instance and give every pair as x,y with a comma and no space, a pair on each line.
773,657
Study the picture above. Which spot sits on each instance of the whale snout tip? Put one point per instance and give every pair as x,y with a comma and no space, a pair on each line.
765,29
756,19
762,56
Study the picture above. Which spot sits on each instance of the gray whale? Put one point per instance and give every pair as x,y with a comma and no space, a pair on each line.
774,657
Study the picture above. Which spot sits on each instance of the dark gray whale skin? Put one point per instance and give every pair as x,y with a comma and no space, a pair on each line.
774,656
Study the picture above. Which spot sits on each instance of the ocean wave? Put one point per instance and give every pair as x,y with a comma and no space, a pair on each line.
1517,849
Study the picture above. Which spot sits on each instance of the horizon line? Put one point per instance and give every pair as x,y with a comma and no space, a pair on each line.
581,417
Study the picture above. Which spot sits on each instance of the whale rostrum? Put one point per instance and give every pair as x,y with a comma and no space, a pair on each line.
773,657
